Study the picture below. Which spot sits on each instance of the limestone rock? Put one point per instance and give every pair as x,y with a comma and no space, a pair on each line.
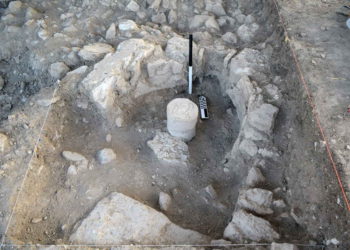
106,155
164,201
155,5
133,6
198,21
118,72
283,246
169,149
128,26
215,6
162,71
169,4
172,17
58,70
248,147
111,32
212,24
263,118
4,143
121,220
254,177
73,156
95,51
247,32
245,226
15,7
257,200
249,62
159,18
229,38
177,49
32,13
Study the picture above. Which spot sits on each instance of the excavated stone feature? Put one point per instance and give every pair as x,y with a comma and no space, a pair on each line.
255,177
263,118
249,62
245,226
119,219
182,117
119,77
169,149
257,200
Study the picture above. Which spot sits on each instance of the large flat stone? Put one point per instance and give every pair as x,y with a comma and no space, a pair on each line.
119,219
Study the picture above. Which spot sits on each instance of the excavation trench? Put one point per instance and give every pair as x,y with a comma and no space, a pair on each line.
258,118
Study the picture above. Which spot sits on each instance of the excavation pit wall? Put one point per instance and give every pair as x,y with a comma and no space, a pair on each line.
258,118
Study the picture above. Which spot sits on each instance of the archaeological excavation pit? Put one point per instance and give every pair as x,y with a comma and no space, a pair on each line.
106,170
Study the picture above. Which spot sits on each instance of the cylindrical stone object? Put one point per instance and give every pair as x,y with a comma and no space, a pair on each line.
182,116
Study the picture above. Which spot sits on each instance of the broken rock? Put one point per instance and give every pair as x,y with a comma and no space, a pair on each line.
169,149
95,51
133,6
164,201
255,177
106,155
263,118
215,6
58,70
257,200
119,219
245,226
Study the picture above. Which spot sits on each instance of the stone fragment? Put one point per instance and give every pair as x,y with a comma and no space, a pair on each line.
263,118
245,226
121,220
215,6
279,204
177,49
220,242
283,246
73,156
198,21
248,147
58,70
172,17
15,7
257,200
111,32
212,24
133,6
169,149
128,26
72,170
95,51
161,71
247,33
43,34
36,220
106,155
164,201
32,13
4,143
155,5
159,18
249,62
255,177
229,38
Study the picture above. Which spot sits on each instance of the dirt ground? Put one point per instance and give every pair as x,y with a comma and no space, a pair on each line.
301,175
